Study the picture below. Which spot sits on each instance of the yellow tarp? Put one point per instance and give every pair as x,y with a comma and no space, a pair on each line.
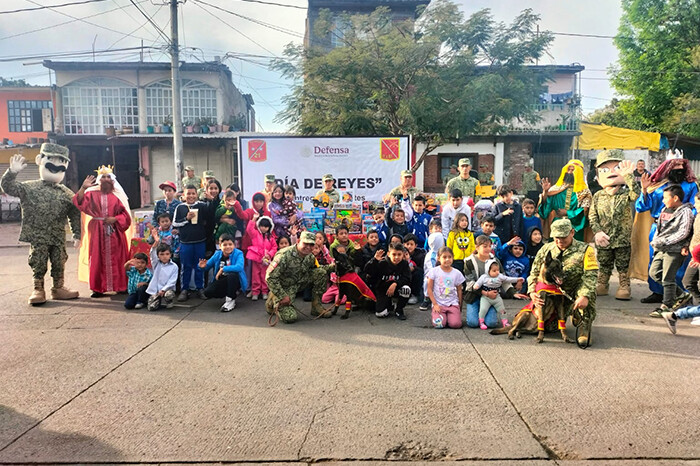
599,137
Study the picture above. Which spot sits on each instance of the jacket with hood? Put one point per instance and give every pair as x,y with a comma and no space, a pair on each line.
518,267
366,254
529,222
233,263
449,213
674,229
260,244
248,214
435,242
532,249
508,226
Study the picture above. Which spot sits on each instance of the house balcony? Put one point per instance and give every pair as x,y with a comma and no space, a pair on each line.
554,118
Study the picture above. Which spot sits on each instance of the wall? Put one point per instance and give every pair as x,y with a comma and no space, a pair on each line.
43,93
562,82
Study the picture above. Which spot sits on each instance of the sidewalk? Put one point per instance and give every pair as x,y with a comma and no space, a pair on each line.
9,234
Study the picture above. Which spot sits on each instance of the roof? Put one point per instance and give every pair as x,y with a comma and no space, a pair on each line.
134,65
372,4
221,135
25,89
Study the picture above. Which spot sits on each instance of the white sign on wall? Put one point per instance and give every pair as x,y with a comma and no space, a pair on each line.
368,167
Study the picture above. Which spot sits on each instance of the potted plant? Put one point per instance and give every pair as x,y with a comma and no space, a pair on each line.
238,122
224,126
150,129
208,125
110,131
127,130
197,127
167,124
188,126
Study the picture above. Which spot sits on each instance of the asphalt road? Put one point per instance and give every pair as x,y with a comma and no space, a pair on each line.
88,381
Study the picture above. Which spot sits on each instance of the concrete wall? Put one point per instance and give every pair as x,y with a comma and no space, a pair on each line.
29,93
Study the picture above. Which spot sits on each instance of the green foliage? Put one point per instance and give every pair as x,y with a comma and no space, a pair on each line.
438,79
14,83
656,67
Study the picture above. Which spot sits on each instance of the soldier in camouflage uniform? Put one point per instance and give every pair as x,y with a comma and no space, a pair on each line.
405,190
292,269
190,179
531,183
46,204
580,275
611,220
464,182
328,190
485,176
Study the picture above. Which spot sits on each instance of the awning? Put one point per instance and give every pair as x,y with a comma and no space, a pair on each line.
599,137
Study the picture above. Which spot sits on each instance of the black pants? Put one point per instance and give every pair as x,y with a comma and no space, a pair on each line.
384,301
458,264
417,282
227,285
139,297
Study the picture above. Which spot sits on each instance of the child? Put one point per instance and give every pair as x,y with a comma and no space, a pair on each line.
460,241
229,276
435,242
395,239
451,209
382,228
138,276
488,224
444,285
492,281
225,216
435,226
161,290
391,278
321,252
530,218
670,243
168,204
508,215
283,242
420,223
343,245
263,247
278,212
368,250
397,221
416,258
515,262
190,224
166,234
483,208
534,242
289,209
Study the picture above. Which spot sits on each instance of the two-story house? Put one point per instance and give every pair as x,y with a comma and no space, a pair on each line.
105,113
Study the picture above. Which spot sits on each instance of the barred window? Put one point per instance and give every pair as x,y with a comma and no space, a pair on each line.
25,115
198,101
91,105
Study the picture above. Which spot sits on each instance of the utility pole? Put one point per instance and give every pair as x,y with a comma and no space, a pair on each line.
177,101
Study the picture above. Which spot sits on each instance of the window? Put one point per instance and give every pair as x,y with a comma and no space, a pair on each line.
338,32
26,115
91,105
198,101
446,160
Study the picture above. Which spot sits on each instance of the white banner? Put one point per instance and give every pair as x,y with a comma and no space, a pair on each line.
365,167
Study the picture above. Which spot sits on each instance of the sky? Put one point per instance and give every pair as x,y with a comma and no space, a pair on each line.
206,33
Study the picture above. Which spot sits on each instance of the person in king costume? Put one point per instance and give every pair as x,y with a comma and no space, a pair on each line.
46,204
107,219
569,198
675,170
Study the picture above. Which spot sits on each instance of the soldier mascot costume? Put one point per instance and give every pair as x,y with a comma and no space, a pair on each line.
611,220
46,204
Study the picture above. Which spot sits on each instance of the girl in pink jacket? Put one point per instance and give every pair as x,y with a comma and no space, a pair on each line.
263,246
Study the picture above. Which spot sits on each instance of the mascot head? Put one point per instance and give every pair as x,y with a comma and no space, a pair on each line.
608,165
53,161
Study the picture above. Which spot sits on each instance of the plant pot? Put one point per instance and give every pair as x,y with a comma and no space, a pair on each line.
166,129
110,131
205,129
196,129
225,128
212,129
150,129
158,129
188,129
128,130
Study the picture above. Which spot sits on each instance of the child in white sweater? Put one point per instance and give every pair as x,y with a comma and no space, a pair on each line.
491,281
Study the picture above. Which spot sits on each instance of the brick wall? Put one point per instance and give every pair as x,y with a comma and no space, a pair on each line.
430,175
516,157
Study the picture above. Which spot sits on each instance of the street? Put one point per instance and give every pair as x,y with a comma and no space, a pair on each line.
88,381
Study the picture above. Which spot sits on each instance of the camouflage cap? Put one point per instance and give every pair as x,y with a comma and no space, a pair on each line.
483,165
269,178
307,237
327,177
189,168
406,173
561,228
208,174
454,166
55,150
614,155
464,161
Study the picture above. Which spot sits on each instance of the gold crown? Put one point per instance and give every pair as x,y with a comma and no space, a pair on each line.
104,170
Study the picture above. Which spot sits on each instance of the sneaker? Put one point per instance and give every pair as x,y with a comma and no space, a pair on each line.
682,301
505,322
695,321
249,295
413,300
657,312
169,305
184,294
382,314
264,296
425,305
255,297
400,315
201,295
670,321
138,306
229,305
653,298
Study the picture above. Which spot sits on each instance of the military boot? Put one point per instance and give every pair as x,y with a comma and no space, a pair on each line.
601,288
59,291
38,296
584,334
624,293
318,310
269,303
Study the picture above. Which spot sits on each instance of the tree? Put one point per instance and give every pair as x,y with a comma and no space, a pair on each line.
655,43
615,114
438,79
13,83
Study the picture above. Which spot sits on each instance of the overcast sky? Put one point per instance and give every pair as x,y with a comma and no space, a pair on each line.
208,33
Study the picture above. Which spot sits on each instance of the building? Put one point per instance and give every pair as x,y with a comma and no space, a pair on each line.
117,112
400,10
26,114
548,142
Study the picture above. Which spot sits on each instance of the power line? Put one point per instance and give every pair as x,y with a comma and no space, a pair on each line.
43,7
164,35
132,32
11,58
256,21
286,5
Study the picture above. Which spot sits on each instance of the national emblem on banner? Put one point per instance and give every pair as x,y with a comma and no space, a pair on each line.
257,150
389,149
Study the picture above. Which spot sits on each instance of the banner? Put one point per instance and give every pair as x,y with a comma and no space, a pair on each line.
365,168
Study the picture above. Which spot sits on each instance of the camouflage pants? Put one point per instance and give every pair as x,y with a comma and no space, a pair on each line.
585,316
40,254
318,280
617,257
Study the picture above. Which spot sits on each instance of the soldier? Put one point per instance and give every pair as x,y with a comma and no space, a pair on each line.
207,176
190,179
405,189
485,176
328,190
454,171
611,220
46,204
580,275
531,183
270,184
468,185
292,269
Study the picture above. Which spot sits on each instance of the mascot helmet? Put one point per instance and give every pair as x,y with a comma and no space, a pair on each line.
53,161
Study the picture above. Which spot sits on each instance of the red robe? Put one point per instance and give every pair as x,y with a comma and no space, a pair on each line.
107,252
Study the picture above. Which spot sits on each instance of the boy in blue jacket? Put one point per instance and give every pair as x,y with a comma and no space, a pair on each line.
515,262
420,222
229,275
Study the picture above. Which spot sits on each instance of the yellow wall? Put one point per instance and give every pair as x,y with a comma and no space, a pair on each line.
28,153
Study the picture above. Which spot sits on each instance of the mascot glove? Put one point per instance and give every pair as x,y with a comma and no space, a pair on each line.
17,163
76,243
601,239
405,291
